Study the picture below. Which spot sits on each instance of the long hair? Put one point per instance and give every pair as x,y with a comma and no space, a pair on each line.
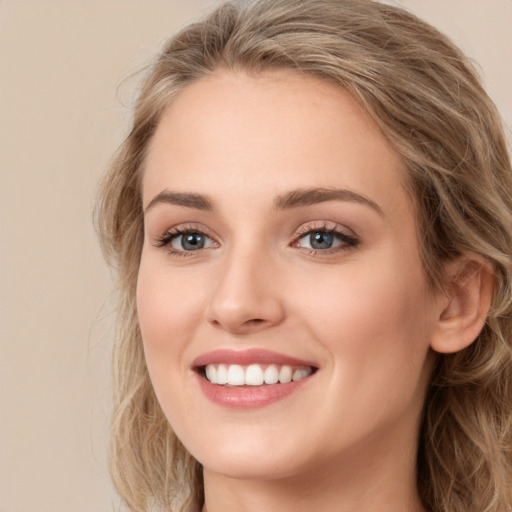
426,97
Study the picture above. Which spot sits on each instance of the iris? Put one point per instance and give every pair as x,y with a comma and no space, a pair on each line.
192,241
321,240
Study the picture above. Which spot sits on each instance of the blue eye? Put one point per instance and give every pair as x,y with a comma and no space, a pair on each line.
183,241
320,240
189,242
325,240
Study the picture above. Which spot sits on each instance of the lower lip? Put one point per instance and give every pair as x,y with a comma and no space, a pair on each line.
248,397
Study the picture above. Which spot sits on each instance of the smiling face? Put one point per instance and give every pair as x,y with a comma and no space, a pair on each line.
281,262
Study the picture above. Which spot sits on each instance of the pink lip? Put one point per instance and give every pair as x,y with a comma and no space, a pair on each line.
247,397
245,357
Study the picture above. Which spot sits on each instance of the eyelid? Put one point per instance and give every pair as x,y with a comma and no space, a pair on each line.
327,226
347,237
343,234
170,234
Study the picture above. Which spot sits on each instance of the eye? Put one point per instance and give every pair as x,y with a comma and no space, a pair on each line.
320,240
189,242
180,241
324,240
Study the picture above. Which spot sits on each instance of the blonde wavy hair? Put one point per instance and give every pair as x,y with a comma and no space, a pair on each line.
427,99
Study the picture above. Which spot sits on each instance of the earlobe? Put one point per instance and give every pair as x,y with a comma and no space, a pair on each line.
465,304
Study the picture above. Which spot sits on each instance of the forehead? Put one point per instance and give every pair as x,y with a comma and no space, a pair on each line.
251,134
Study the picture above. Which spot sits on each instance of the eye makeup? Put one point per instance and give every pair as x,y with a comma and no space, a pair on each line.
320,238
324,238
185,240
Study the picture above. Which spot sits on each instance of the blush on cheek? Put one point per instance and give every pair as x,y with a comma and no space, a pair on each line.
162,302
375,313
169,311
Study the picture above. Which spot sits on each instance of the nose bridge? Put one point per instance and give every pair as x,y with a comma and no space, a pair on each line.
245,297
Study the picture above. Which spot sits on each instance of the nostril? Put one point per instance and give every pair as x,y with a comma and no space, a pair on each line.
254,322
247,323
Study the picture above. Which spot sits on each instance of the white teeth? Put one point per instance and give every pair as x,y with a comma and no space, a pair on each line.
285,375
211,373
222,374
254,374
271,374
236,375
301,373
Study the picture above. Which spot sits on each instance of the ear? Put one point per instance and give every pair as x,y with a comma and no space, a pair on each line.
465,304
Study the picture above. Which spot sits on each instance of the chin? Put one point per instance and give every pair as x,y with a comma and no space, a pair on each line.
252,468
251,461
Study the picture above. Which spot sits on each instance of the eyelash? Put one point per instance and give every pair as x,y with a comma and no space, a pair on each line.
166,240
347,241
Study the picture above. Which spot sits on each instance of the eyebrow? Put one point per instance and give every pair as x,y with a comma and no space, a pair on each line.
292,199
187,199
310,196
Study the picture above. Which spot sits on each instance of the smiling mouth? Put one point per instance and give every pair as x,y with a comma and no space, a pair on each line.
236,375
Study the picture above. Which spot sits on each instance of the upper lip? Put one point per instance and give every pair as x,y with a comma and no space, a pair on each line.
248,356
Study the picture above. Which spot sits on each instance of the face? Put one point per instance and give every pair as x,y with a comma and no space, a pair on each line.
285,314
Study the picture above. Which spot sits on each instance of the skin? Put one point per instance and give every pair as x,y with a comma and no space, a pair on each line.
364,314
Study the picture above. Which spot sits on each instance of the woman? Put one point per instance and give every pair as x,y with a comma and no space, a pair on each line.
311,221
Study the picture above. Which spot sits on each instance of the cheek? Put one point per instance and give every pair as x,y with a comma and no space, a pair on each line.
168,307
169,312
373,324
375,332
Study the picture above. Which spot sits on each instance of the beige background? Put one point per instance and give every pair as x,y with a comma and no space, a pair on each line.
60,66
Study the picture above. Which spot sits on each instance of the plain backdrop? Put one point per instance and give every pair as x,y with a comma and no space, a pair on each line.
65,87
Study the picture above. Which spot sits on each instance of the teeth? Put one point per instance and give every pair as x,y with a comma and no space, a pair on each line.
222,374
301,373
285,375
271,375
254,374
236,375
211,374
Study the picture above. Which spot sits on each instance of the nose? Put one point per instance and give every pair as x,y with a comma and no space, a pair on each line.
246,298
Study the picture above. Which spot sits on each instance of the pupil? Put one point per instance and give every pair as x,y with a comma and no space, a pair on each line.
321,240
192,241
